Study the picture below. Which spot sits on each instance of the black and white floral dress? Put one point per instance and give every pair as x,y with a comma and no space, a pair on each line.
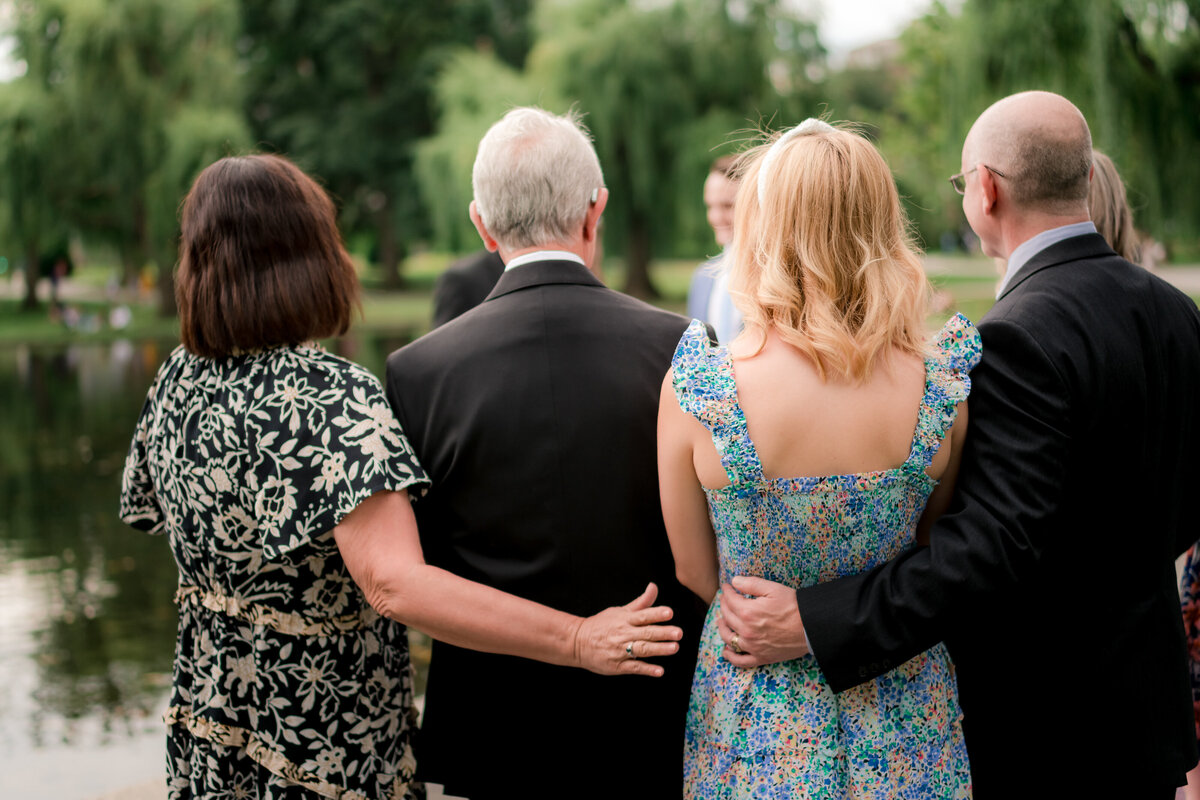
287,683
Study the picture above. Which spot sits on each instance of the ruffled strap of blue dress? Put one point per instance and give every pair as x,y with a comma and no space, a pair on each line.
705,388
955,351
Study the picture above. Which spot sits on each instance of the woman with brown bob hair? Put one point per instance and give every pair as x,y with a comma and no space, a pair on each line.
821,442
262,265
258,454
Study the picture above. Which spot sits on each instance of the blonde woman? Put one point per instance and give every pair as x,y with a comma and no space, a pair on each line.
821,442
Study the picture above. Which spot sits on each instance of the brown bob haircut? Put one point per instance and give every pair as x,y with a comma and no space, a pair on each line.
261,262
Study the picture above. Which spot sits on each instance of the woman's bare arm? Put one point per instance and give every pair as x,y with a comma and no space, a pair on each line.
378,540
939,500
684,506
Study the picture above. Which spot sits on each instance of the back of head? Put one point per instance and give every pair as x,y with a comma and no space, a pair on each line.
822,251
1109,208
534,177
1041,145
261,261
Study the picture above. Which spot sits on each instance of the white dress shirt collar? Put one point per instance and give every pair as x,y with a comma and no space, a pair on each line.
543,255
1031,247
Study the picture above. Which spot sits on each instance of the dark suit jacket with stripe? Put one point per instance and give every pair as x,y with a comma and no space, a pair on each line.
1051,577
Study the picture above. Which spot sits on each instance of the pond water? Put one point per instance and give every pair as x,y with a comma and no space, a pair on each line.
87,622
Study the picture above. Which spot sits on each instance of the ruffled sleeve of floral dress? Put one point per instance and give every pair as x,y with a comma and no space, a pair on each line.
705,388
955,351
325,440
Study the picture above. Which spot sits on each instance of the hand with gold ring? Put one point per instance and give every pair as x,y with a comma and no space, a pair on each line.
735,644
615,641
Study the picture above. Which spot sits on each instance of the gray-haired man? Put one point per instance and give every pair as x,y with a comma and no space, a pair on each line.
534,415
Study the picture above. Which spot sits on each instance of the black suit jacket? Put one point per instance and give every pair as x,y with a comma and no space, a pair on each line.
464,285
1051,578
534,415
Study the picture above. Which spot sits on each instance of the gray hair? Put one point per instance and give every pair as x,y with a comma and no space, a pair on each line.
534,177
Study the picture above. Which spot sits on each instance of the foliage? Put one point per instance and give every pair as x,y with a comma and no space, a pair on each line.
344,88
1132,67
145,90
34,170
473,90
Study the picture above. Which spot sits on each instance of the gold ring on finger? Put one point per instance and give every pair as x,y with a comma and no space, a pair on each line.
736,643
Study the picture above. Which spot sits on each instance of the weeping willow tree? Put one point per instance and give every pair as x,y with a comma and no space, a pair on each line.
1132,67
474,90
144,93
34,174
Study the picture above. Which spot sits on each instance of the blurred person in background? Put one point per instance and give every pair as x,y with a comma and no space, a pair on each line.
708,294
1109,208
464,285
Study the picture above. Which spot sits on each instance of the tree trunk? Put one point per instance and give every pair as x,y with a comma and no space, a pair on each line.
131,265
166,283
389,248
32,268
637,260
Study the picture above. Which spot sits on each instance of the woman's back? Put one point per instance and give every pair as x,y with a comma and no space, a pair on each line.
838,488
846,427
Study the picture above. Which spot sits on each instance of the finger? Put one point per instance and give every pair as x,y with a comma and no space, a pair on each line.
645,599
725,631
731,613
743,660
651,616
654,649
660,633
635,667
756,587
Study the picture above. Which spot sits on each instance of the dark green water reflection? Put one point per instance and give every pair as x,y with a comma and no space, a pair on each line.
90,598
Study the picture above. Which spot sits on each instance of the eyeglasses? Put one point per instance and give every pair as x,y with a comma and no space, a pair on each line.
959,181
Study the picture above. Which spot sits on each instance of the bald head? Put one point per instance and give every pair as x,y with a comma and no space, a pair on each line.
1041,143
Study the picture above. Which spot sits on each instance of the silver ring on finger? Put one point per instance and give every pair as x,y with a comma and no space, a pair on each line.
629,649
735,644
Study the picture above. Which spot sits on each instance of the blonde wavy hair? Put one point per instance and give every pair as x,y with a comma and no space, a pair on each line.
1109,208
826,257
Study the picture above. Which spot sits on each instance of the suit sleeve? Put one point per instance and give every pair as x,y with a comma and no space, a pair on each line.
999,524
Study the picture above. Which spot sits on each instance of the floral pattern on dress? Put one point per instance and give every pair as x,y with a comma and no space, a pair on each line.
778,730
1189,588
285,679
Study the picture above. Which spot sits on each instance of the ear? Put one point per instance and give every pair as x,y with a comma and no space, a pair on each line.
488,242
592,219
989,190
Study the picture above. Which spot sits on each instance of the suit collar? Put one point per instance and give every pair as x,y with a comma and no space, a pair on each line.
542,273
1089,245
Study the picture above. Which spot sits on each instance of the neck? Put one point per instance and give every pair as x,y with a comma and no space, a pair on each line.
1022,230
577,247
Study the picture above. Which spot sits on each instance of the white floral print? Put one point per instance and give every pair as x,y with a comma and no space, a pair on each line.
287,684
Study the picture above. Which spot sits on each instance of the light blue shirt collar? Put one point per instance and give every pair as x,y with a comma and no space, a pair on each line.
1031,247
544,255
